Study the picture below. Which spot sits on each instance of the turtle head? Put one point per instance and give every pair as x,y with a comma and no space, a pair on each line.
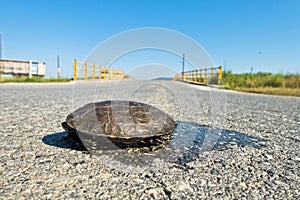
70,120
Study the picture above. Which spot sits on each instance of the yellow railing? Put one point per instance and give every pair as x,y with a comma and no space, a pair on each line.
86,71
202,76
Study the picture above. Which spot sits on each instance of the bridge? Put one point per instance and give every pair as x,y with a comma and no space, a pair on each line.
89,71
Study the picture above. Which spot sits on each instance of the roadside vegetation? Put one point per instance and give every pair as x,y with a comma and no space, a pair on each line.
261,82
33,80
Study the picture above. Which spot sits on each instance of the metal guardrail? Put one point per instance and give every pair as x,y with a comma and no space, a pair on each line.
202,76
86,71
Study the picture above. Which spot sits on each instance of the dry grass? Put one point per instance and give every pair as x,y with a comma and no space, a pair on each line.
33,80
272,91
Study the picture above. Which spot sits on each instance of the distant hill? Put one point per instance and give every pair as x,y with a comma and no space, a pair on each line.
126,76
163,78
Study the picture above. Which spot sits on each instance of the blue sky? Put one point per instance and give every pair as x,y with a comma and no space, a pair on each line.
240,34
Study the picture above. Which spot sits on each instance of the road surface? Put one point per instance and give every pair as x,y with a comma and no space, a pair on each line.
254,153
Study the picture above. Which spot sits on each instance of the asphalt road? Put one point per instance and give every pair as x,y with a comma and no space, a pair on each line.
229,145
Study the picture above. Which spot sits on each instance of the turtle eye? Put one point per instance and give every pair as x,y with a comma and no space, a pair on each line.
70,120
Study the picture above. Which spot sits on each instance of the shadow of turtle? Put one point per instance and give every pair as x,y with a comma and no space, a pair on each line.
188,143
62,141
191,140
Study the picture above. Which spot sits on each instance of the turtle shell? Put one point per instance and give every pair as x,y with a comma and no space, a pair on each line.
119,124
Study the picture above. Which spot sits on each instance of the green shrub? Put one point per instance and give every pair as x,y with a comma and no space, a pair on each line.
260,79
292,81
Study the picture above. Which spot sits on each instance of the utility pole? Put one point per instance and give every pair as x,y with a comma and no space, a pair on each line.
224,65
0,46
58,68
182,73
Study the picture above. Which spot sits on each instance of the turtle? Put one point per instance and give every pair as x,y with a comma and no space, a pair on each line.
119,124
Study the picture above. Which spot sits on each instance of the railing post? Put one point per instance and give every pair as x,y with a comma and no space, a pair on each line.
200,75
93,71
75,70
205,75
85,71
211,75
220,75
99,72
109,73
193,75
